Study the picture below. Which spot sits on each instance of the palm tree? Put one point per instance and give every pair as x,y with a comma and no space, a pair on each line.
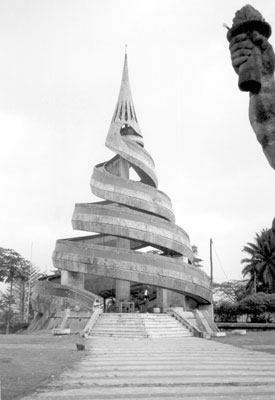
261,264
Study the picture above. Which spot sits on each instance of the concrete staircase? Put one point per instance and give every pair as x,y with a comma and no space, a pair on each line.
163,369
138,326
163,325
119,325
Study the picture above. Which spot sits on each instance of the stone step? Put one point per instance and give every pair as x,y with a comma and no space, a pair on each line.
163,334
101,372
119,323
160,369
164,325
138,325
118,331
122,323
99,329
166,329
161,380
118,335
134,316
111,332
184,392
142,326
168,365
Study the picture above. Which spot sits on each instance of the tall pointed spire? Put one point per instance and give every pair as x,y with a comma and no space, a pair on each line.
125,114
125,74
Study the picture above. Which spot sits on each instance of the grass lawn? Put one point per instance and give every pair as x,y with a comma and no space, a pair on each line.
27,361
259,341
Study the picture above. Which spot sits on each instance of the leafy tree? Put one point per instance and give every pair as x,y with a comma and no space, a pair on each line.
232,291
22,291
260,266
13,267
260,307
226,311
197,261
7,308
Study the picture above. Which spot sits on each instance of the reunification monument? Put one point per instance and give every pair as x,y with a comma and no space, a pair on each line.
133,216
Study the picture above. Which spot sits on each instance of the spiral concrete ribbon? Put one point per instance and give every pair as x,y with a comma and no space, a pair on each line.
135,212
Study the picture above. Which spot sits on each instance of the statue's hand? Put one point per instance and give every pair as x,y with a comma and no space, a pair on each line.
241,47
253,57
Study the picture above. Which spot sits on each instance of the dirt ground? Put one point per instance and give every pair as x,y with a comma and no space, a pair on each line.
27,361
258,341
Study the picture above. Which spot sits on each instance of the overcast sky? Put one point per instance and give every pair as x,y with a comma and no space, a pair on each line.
60,73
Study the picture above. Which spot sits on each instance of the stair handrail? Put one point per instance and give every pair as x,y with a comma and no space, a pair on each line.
192,328
92,321
208,324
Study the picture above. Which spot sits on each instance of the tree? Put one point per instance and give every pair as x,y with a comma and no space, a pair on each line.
13,267
260,266
197,261
260,307
22,291
231,291
7,308
226,311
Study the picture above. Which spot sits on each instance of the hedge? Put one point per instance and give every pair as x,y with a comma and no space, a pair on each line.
259,307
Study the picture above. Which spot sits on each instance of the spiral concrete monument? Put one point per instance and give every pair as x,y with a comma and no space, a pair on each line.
132,216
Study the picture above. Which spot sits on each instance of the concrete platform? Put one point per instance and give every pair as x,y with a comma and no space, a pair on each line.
164,368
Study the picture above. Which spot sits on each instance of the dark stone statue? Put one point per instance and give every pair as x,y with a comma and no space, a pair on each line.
253,60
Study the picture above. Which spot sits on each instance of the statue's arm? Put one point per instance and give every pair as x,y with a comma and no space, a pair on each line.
262,117
262,104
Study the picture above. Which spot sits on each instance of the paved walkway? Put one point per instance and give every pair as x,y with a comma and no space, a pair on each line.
164,368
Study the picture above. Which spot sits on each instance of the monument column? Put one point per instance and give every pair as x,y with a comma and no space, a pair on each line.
123,288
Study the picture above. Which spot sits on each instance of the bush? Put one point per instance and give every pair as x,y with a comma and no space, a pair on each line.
14,328
258,306
226,311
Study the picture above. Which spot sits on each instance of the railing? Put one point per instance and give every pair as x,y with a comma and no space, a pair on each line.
92,321
46,287
174,312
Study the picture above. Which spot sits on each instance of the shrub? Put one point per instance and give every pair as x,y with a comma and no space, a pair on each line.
258,306
226,311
